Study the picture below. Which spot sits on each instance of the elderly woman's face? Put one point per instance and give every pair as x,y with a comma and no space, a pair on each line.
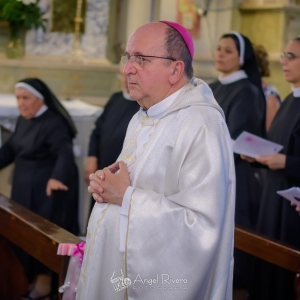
227,58
28,103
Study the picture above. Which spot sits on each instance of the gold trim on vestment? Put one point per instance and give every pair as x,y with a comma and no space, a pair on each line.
126,293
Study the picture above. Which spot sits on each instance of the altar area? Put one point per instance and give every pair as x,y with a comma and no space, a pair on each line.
82,81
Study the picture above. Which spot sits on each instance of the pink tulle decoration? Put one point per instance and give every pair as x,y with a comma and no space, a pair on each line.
76,251
66,249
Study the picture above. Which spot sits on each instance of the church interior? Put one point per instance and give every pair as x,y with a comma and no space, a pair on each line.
77,54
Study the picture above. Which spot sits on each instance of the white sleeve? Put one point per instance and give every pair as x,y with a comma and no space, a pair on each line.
124,218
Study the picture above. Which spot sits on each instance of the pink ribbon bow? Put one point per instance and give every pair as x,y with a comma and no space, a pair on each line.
79,251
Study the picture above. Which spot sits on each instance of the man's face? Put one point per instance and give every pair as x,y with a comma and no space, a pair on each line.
150,84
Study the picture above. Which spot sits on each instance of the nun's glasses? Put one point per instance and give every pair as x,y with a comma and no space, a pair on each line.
138,60
289,56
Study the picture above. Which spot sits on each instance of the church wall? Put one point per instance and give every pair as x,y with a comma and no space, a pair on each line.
271,24
212,27
93,40
92,79
265,26
138,13
92,83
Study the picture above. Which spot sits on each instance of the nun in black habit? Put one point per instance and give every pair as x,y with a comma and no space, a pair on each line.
238,91
45,178
277,218
106,140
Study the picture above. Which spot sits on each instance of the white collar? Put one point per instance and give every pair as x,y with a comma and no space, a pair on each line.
296,92
157,110
238,75
127,96
41,111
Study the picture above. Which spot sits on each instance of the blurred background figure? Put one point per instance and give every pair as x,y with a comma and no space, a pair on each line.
277,218
239,92
45,178
271,94
107,138
297,208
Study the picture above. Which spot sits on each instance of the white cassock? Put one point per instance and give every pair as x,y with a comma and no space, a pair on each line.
173,236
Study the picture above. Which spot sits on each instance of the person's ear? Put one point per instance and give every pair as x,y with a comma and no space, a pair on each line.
177,71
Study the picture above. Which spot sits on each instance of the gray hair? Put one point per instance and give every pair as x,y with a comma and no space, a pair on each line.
177,49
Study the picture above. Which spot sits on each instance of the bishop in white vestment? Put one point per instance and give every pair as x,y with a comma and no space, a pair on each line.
172,237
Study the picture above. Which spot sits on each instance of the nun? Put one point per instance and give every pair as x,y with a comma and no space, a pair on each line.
238,91
273,100
45,178
106,140
277,218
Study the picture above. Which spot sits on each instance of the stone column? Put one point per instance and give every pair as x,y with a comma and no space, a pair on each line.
138,13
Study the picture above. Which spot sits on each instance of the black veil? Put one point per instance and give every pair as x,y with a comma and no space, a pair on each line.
250,65
52,102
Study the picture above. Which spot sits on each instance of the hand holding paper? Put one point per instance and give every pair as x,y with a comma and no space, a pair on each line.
254,146
292,194
274,162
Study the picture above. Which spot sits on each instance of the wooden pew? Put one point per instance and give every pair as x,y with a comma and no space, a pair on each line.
272,251
37,236
40,238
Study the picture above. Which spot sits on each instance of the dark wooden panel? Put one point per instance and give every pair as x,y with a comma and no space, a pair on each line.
37,236
13,283
40,238
281,255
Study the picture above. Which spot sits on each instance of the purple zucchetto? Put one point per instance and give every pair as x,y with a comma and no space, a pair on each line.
185,35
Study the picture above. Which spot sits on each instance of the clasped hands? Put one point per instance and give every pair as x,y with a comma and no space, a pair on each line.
110,184
274,162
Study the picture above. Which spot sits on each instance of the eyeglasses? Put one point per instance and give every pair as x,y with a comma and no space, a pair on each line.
138,60
289,56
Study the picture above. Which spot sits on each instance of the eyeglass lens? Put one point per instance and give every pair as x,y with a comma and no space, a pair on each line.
135,59
288,56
